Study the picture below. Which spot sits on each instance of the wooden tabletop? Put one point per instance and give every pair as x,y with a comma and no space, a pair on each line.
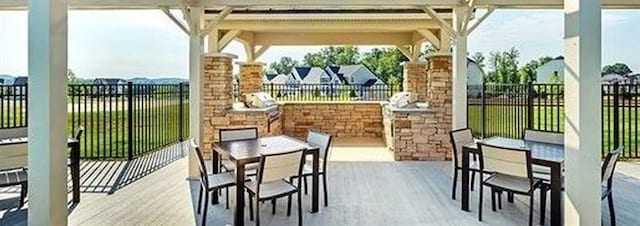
250,150
539,150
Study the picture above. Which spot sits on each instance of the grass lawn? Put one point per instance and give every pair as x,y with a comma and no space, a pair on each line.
106,132
511,121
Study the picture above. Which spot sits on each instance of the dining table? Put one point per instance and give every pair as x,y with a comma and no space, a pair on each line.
74,163
543,154
243,152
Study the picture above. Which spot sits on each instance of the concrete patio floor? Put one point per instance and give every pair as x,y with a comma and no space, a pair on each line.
365,188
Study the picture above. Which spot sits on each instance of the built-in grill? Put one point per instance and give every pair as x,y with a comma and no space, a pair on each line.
259,100
403,100
263,101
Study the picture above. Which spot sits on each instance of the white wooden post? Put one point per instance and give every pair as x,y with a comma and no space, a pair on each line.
195,86
459,80
48,112
582,45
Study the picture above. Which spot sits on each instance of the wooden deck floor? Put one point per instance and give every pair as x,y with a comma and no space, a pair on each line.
364,189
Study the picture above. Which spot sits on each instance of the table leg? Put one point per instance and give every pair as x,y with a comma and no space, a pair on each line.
215,156
75,171
315,178
239,211
465,179
556,194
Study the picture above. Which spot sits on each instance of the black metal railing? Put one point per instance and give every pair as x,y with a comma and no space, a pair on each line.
328,92
508,109
120,121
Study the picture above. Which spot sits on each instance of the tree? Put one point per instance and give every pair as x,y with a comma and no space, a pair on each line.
479,59
328,56
385,62
284,66
505,66
72,79
617,68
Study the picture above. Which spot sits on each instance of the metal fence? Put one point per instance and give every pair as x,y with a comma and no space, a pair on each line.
120,121
328,92
508,109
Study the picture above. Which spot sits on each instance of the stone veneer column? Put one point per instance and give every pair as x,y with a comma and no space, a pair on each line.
439,94
415,79
250,77
217,96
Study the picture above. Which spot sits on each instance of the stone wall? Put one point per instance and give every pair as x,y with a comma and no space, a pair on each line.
217,104
250,77
418,136
341,119
415,79
424,135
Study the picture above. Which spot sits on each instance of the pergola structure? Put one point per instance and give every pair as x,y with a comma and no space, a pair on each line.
260,24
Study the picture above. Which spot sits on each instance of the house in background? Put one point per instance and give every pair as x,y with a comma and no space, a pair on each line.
360,77
475,78
545,72
20,87
110,86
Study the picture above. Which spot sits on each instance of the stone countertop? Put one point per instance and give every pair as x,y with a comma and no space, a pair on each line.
242,109
331,102
420,108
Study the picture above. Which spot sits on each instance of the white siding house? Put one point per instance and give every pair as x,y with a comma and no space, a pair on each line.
475,76
546,71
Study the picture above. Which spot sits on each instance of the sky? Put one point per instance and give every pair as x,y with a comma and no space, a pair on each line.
128,44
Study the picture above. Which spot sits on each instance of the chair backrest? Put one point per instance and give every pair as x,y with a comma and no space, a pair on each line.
77,132
322,141
281,165
609,166
238,134
13,133
458,139
201,167
506,160
13,156
543,136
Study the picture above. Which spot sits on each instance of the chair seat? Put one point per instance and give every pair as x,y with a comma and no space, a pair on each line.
540,169
221,180
511,183
13,177
250,168
271,189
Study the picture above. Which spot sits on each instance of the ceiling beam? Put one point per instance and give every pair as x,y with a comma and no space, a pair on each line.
328,38
480,20
328,25
174,4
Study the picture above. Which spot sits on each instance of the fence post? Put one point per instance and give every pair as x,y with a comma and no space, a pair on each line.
130,120
272,90
484,110
530,97
181,111
616,114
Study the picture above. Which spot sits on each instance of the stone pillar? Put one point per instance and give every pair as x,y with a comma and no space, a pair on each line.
415,79
217,96
250,77
440,98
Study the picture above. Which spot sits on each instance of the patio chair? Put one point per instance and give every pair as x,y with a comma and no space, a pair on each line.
608,168
459,138
210,183
13,162
512,173
323,142
234,134
542,172
272,181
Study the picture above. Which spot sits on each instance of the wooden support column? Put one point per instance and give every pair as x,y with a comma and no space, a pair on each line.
48,119
582,45
195,86
459,86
